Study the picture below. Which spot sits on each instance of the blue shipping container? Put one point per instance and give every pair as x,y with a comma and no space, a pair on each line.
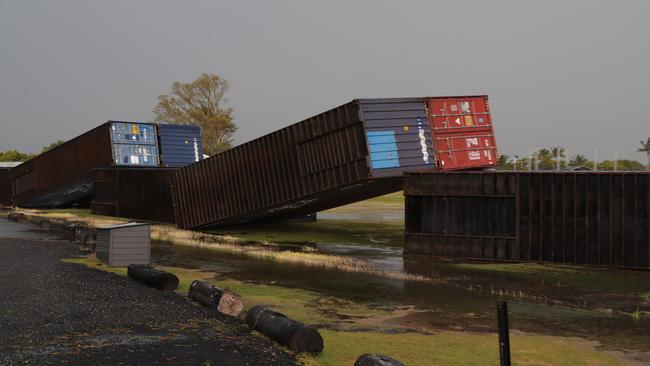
180,145
134,144
397,134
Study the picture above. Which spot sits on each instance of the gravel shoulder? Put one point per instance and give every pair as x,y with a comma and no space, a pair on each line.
53,312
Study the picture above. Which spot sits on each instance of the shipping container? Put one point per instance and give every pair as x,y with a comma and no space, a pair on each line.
135,193
350,153
180,145
462,132
597,218
62,175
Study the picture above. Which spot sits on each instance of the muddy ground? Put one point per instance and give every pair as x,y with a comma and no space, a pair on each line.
57,313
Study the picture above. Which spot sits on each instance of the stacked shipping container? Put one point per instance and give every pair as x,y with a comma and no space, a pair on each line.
180,145
62,176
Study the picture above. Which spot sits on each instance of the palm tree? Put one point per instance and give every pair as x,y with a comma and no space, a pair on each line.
557,151
543,159
558,155
645,147
504,162
578,160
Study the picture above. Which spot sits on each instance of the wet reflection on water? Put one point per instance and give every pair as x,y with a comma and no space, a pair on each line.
454,298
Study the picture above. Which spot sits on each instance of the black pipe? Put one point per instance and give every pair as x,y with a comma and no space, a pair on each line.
150,276
296,336
504,337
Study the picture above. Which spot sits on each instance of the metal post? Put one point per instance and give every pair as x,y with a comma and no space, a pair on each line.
504,337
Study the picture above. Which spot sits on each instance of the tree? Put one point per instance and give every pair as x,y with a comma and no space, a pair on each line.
52,145
544,159
621,165
200,103
578,160
14,155
645,147
503,163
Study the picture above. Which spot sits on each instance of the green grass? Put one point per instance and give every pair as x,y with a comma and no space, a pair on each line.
72,211
321,231
344,340
571,276
455,348
392,201
306,306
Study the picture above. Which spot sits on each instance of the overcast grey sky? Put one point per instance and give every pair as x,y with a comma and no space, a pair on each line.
567,73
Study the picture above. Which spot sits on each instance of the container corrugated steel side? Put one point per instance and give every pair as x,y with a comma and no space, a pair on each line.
61,176
462,131
353,152
598,218
135,193
180,145
5,187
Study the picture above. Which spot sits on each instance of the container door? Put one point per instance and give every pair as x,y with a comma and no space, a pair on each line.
462,132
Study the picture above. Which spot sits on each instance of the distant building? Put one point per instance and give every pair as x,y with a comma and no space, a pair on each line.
579,168
9,164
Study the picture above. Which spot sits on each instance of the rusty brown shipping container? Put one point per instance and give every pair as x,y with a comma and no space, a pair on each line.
598,218
61,176
134,193
350,153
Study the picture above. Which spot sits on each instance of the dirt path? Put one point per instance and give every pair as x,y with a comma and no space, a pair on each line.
57,313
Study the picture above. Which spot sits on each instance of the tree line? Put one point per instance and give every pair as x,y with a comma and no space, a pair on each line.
555,158
15,155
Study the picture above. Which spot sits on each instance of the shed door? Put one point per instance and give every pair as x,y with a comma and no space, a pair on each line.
462,132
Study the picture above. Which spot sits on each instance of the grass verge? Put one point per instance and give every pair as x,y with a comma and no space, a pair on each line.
345,339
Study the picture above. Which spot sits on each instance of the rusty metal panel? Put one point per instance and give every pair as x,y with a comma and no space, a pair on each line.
135,193
598,218
5,187
62,173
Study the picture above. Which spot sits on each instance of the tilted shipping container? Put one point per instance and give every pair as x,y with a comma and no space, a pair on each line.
135,193
353,152
462,132
62,175
180,145
599,218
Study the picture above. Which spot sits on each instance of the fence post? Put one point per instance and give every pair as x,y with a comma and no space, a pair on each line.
504,337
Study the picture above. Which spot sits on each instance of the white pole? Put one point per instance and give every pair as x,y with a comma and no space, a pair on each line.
615,160
596,160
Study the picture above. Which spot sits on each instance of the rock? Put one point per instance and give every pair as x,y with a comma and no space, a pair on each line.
16,216
376,360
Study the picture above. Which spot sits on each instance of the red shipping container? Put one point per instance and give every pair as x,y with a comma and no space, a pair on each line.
462,132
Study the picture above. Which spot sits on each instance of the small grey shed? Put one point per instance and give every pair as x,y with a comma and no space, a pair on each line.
125,244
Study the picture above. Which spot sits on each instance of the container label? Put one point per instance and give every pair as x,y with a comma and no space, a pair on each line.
474,155
423,142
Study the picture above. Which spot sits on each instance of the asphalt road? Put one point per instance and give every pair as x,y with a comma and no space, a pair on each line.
53,312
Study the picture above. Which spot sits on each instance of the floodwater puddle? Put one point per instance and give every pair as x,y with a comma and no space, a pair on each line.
24,230
459,297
